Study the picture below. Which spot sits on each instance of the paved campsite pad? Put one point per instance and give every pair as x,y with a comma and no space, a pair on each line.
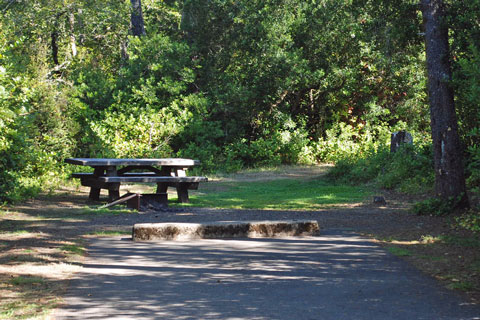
337,275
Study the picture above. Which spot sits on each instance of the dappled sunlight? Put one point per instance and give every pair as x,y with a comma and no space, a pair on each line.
296,172
240,279
45,270
22,234
33,234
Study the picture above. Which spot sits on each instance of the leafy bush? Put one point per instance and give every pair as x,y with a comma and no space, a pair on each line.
282,141
434,207
200,139
344,141
142,133
473,166
410,169
469,220
35,136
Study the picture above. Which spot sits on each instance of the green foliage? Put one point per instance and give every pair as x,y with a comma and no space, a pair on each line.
150,104
463,22
368,160
344,141
469,220
434,207
284,142
473,165
36,135
410,170
233,84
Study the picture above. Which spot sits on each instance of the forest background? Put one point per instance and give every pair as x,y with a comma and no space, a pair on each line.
234,84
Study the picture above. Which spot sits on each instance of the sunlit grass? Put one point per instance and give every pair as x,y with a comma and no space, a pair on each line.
98,210
19,281
73,249
15,232
25,310
284,194
108,233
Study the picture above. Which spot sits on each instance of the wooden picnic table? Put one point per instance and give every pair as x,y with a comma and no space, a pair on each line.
110,173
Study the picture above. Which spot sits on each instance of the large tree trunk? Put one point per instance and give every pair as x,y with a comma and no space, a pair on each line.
449,172
137,24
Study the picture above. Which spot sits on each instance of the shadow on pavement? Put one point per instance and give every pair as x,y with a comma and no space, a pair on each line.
335,276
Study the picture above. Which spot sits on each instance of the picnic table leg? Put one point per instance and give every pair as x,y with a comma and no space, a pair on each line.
182,192
95,191
162,187
94,194
113,191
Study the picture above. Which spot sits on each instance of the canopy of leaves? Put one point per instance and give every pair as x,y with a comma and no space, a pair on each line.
232,83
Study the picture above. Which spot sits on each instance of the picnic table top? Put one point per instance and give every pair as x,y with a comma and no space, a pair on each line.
177,162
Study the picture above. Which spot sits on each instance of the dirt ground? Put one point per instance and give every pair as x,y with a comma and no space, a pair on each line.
42,242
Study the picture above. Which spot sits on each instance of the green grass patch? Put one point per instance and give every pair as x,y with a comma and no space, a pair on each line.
105,211
107,233
461,285
73,248
16,232
282,194
467,242
21,281
399,252
26,310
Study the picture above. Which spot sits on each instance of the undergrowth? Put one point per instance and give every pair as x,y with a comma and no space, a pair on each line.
409,170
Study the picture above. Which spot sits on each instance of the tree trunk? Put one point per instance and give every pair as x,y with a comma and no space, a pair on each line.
73,40
54,45
137,24
449,172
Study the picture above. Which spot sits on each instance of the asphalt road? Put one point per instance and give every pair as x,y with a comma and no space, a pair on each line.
337,275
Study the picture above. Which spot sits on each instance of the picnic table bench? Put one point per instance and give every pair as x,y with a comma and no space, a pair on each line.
110,173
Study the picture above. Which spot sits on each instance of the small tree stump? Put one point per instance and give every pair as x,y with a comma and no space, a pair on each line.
379,200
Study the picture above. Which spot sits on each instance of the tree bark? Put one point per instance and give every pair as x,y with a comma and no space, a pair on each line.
73,40
448,158
137,24
54,45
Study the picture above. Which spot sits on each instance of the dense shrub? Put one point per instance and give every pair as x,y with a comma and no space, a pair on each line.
469,220
410,169
35,136
201,140
281,141
473,168
435,207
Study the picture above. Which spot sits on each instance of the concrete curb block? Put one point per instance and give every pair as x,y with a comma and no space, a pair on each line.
218,230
